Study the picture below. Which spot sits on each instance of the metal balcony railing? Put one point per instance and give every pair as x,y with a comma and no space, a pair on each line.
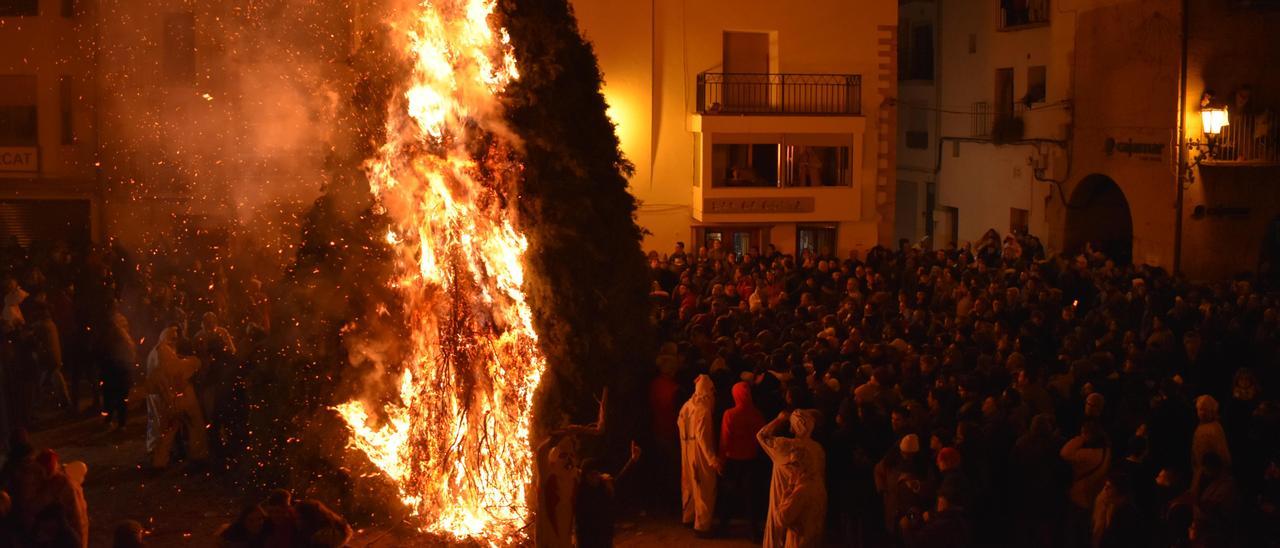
980,120
773,94
1248,139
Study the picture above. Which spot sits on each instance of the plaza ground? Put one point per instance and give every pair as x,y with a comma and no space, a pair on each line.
184,506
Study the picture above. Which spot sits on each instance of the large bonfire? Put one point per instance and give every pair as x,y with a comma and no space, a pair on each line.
456,443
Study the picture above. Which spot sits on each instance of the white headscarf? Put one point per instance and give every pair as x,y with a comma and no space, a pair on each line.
704,391
803,421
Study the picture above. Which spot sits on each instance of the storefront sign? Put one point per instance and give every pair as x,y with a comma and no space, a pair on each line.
758,205
1220,212
1151,151
19,159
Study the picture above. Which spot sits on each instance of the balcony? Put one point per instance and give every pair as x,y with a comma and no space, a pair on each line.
1249,139
779,94
1020,14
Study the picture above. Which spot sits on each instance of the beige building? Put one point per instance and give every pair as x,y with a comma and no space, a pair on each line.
49,184
1080,121
753,123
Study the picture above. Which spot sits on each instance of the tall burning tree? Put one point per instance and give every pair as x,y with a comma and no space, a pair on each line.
457,442
464,140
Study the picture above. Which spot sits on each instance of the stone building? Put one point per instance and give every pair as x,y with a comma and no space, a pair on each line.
1081,121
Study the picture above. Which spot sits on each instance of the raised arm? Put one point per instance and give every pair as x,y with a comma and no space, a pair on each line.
1068,452
595,428
767,438
635,456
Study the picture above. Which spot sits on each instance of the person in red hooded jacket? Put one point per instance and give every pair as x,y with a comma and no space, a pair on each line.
741,456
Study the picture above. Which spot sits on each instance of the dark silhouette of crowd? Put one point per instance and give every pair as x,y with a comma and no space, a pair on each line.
92,324
981,395
87,329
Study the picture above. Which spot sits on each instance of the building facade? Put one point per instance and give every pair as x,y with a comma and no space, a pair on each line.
49,183
1000,102
917,218
1081,121
754,123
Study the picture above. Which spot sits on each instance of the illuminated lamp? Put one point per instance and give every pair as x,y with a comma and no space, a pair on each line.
1214,120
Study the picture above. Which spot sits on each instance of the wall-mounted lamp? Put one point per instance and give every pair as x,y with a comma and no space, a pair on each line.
1214,119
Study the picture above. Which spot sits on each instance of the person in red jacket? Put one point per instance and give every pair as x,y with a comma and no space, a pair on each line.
664,404
740,484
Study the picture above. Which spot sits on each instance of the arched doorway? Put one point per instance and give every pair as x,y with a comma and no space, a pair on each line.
1098,213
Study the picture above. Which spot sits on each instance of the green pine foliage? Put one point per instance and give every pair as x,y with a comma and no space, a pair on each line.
590,281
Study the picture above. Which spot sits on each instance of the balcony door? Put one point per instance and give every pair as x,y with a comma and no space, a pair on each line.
1004,94
746,68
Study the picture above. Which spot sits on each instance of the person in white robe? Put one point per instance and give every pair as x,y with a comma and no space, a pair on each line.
797,495
172,404
699,461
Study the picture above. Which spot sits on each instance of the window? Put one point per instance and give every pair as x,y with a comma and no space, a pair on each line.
818,239
810,165
1007,126
18,125
66,101
19,8
915,51
781,161
1018,220
918,139
904,48
1035,86
917,128
1021,13
1004,93
739,240
180,48
745,164
922,52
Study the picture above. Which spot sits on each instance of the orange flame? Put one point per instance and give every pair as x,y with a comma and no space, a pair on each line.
456,444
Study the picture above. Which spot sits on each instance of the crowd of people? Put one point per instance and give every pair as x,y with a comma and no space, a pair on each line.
76,324
41,500
982,395
73,331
